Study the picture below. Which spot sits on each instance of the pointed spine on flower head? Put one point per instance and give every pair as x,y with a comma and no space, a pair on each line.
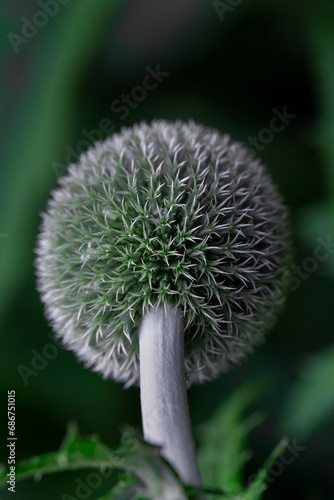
166,216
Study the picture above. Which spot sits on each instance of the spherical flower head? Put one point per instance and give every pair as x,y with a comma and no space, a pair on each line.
169,212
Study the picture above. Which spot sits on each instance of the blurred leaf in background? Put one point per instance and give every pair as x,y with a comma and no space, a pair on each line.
310,400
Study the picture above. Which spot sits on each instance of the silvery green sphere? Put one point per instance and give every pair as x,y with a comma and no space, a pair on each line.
168,212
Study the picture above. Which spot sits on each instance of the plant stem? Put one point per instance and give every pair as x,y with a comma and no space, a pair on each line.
164,405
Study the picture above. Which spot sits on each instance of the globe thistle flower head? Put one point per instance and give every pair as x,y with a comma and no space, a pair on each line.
163,213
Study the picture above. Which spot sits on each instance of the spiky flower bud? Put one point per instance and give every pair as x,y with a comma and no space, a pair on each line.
163,213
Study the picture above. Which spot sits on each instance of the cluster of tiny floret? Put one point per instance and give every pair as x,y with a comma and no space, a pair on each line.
166,212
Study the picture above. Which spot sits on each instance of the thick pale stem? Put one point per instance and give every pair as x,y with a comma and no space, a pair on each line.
163,393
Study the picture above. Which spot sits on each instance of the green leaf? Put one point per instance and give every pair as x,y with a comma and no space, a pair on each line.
147,464
311,399
259,484
45,127
75,453
151,477
223,450
128,488
147,475
194,493
321,39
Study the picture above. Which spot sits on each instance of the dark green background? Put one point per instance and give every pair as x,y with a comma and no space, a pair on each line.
229,74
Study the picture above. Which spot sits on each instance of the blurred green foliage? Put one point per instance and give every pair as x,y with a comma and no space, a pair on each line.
230,74
148,476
